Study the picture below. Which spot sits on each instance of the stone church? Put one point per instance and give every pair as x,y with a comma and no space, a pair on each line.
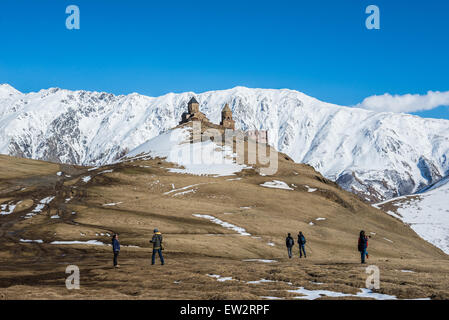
194,114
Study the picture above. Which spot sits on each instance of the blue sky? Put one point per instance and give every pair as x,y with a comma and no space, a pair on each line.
321,48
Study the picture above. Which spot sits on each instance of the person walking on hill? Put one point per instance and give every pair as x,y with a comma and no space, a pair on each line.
289,242
115,249
302,244
363,246
157,246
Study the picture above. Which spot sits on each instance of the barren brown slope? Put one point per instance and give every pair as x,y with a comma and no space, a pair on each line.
140,195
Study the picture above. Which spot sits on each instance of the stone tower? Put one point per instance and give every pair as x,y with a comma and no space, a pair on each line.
193,106
193,112
226,118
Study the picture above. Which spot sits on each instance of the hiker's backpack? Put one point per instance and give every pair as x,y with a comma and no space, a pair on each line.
303,239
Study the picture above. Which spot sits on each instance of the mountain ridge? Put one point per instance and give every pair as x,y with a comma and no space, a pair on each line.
376,155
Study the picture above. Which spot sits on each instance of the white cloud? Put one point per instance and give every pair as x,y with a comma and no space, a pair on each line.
406,102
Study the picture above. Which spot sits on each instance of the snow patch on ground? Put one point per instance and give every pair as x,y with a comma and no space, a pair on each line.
276,184
86,179
315,294
92,242
181,189
309,189
260,281
260,260
224,224
111,204
31,241
7,209
106,171
185,192
39,207
220,278
307,294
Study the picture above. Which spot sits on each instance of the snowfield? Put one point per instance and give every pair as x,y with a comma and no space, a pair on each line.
377,155
199,158
427,213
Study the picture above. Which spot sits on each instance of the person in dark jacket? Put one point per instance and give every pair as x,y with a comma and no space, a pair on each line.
157,246
301,245
363,246
115,249
289,242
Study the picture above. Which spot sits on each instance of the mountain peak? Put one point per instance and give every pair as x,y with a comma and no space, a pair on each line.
6,89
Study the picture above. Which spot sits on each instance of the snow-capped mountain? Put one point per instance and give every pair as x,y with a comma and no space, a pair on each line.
427,212
377,155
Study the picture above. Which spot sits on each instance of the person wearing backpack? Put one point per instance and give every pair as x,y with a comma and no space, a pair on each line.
363,246
115,249
157,246
301,245
289,242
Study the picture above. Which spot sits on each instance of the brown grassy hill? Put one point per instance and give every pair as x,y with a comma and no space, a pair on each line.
135,196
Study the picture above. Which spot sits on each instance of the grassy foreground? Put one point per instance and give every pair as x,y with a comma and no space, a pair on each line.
133,197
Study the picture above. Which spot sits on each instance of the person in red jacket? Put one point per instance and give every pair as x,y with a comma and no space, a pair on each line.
363,246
